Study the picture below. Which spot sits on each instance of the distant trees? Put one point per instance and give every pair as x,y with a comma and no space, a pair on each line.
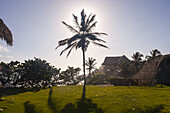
131,69
154,54
5,33
137,64
37,72
9,71
71,76
31,73
82,38
137,61
126,70
90,63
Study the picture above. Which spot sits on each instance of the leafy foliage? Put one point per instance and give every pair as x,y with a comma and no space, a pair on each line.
31,73
9,72
90,63
126,70
98,78
138,64
154,54
71,76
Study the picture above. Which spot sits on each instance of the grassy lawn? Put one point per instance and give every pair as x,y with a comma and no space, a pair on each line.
99,99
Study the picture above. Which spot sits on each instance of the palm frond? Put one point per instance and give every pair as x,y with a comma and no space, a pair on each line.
76,21
86,44
71,49
72,39
5,33
98,44
62,42
92,26
87,21
98,33
80,43
92,19
69,46
83,18
70,28
94,38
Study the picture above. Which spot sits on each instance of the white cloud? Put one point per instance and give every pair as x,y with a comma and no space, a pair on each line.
3,49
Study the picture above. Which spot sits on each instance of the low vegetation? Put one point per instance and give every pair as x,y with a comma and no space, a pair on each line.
99,99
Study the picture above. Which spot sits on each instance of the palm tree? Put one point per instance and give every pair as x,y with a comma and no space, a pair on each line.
91,62
137,57
82,37
5,33
154,54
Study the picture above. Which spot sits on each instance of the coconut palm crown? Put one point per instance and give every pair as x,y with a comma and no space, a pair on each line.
137,57
90,63
82,37
5,33
154,54
83,34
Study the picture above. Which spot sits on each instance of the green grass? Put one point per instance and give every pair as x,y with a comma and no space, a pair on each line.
112,99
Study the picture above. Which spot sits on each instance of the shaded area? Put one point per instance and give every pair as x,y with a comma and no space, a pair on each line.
82,106
154,72
51,103
83,93
15,91
30,108
156,109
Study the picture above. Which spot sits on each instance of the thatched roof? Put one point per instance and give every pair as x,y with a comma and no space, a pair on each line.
115,60
5,33
157,69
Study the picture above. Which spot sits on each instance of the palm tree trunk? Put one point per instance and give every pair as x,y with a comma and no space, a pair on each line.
84,86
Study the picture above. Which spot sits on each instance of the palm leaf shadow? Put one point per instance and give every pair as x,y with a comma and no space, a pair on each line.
30,108
82,106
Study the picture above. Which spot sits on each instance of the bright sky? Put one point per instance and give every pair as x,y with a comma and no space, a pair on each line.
131,25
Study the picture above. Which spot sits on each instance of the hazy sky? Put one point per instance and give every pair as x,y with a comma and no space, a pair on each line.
131,25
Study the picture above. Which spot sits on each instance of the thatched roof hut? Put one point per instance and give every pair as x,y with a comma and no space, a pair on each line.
115,60
156,71
5,33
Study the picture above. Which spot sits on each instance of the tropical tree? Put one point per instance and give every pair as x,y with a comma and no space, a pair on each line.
90,63
71,76
154,54
37,73
9,71
137,58
82,37
126,69
5,33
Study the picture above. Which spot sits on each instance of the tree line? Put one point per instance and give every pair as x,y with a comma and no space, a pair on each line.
37,73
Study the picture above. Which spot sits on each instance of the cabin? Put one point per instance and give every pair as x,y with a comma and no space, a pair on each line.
111,65
154,72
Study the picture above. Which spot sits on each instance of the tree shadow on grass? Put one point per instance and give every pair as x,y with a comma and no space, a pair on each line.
30,108
51,103
82,106
156,109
